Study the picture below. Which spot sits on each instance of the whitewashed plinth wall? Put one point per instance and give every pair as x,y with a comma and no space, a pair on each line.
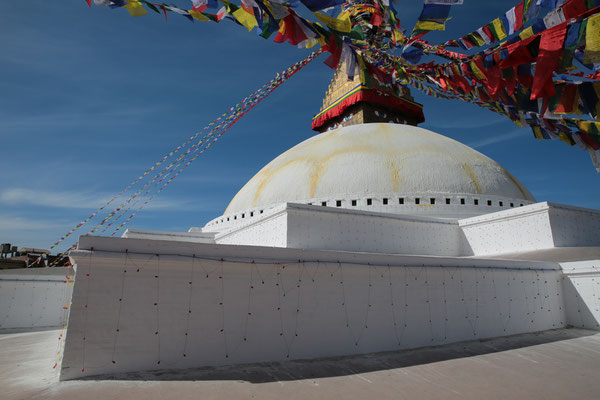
581,285
528,228
34,298
135,309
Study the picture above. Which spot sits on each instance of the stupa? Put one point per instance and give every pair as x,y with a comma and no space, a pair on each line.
371,156
374,235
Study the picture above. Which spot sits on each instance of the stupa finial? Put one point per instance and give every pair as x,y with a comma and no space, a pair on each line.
355,101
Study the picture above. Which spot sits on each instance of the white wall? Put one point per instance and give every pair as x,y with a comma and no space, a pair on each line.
270,304
303,226
33,298
574,226
581,286
325,228
524,229
268,231
529,228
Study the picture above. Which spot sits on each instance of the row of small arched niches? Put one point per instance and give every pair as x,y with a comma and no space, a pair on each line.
418,201
242,215
386,201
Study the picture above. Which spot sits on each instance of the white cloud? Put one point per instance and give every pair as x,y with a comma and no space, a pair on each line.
31,232
11,223
59,199
497,138
93,200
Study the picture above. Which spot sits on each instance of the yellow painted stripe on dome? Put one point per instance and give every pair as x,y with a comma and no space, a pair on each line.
473,177
517,184
269,175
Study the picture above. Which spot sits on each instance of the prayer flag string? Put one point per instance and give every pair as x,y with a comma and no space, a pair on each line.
186,153
538,64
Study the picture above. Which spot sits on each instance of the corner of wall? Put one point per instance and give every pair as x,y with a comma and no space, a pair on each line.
464,245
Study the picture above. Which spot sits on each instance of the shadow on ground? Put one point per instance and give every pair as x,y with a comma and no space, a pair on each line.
349,365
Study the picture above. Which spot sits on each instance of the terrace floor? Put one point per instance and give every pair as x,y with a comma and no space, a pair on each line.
557,364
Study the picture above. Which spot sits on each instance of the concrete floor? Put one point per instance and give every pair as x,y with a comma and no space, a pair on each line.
559,364
554,254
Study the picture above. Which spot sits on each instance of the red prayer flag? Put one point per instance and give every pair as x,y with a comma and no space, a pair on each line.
519,16
442,83
551,46
376,18
462,83
574,8
518,53
510,84
380,75
335,50
526,80
290,30
589,141
488,32
494,83
496,57
566,105
465,69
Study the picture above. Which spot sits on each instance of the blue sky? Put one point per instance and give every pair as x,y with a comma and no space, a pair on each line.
93,97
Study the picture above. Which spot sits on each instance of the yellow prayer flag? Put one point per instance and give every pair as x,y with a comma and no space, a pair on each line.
282,26
398,37
476,70
518,122
135,8
478,39
310,43
362,70
321,39
341,23
245,18
592,41
584,125
537,132
198,15
589,127
429,26
565,138
499,28
526,33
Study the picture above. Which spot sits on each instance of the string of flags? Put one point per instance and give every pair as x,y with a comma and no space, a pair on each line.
537,64
168,168
546,77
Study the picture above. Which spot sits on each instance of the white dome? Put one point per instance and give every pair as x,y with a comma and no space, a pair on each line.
376,158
